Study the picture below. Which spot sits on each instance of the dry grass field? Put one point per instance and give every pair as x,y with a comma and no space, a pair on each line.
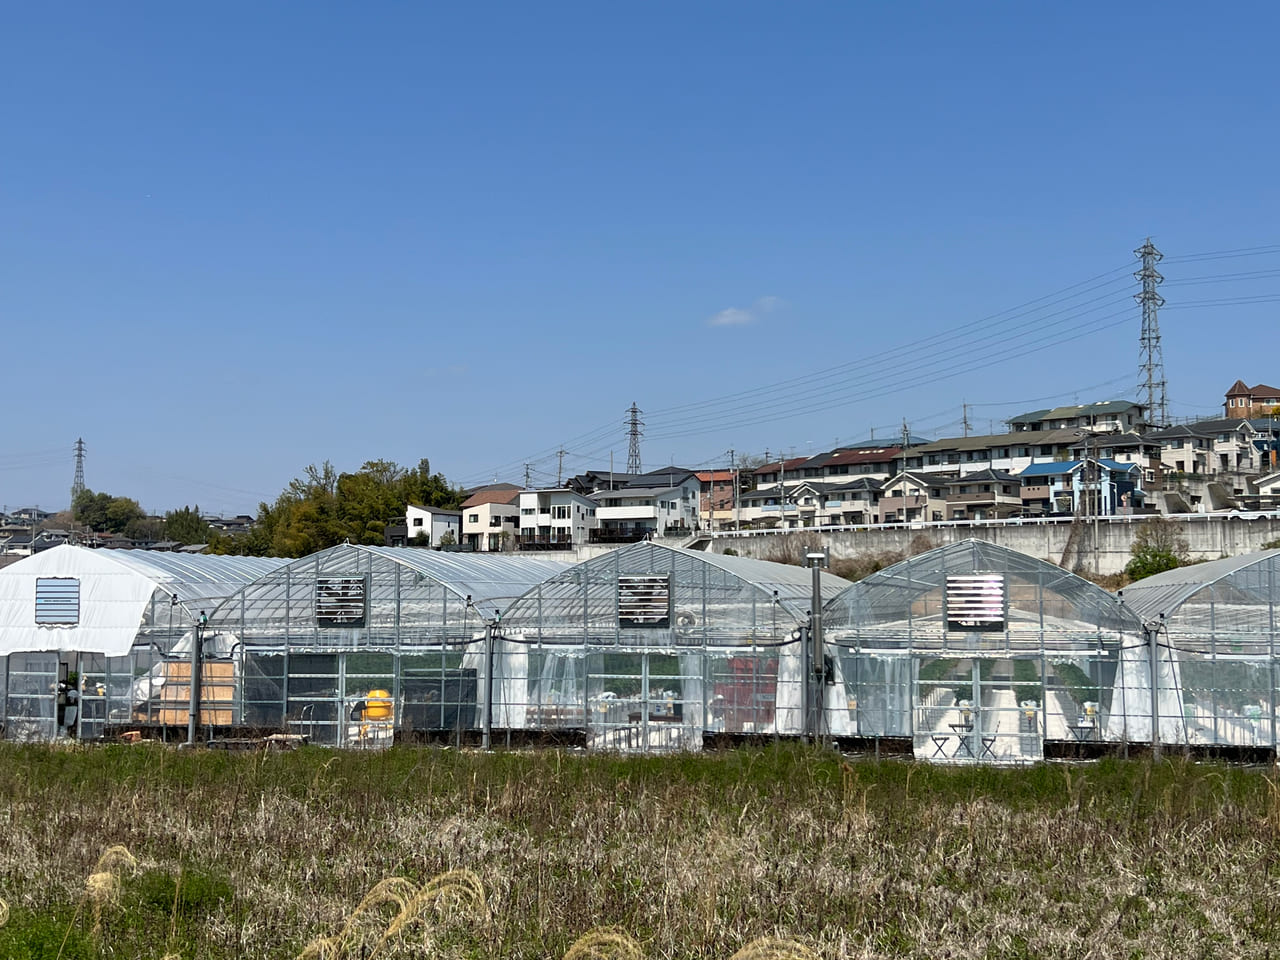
151,853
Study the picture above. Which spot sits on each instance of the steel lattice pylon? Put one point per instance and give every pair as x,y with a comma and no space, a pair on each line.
1152,357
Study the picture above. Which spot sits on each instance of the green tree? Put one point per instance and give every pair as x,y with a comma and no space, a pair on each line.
1157,546
185,526
323,508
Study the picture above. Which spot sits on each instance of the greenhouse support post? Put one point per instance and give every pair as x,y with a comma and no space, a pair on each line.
1153,634
487,728
816,675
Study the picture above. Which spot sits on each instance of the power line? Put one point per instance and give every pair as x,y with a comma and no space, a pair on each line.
1013,313
938,368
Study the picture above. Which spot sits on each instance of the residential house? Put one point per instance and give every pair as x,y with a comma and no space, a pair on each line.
428,526
662,503
1091,486
983,495
915,496
717,499
1009,452
555,519
491,518
1108,416
847,503
1244,402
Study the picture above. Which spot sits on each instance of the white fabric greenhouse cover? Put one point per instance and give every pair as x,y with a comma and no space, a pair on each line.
115,591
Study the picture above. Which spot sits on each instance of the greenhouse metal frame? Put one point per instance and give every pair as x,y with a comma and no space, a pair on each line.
1052,657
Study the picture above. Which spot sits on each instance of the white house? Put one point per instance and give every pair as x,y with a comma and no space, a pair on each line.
662,503
491,518
433,522
555,519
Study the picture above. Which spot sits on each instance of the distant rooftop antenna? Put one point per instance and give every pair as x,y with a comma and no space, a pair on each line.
1152,357
635,430
77,485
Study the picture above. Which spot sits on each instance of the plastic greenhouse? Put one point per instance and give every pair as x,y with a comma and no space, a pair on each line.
980,653
108,616
1217,625
649,647
351,644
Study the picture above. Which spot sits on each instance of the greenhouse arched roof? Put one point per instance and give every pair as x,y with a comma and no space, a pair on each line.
904,605
1252,576
106,598
390,596
714,598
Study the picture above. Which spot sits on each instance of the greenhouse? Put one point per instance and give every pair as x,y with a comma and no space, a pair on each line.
1218,622
979,653
86,625
353,644
650,647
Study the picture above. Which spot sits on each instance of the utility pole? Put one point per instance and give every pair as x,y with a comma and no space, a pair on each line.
906,437
1152,356
560,466
635,430
77,485
964,417
527,475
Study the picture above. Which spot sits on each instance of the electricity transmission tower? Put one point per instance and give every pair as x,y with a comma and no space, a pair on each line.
635,430
1152,357
77,485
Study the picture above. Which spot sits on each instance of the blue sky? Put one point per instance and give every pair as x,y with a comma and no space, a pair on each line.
242,238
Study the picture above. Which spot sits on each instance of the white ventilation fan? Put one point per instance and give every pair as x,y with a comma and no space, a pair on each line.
686,622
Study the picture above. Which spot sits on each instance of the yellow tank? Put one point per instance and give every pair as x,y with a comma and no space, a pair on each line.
378,705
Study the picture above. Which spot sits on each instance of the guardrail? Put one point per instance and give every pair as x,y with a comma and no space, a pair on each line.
1013,522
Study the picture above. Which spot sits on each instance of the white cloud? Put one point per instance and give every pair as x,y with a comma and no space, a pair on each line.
737,316
731,317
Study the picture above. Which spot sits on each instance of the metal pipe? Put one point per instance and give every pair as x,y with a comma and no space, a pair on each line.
193,709
817,675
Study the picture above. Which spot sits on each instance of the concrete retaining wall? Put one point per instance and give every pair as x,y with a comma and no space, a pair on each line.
1102,547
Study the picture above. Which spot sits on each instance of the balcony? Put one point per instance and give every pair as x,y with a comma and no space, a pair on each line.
626,513
1039,491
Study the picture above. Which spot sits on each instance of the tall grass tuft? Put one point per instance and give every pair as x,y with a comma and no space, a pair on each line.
604,943
772,948
453,893
4,913
102,888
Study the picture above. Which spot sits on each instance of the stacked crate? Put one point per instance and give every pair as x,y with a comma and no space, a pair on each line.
217,693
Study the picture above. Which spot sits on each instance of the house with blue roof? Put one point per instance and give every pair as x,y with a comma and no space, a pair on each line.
1089,486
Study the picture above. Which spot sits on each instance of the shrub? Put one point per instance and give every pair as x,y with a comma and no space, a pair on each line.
1157,546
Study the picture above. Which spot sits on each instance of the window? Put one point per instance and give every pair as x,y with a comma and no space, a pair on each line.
526,511
473,518
1046,450
417,521
57,601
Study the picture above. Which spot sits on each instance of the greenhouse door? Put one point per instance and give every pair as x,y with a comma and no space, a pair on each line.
644,702
979,711
314,707
31,704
